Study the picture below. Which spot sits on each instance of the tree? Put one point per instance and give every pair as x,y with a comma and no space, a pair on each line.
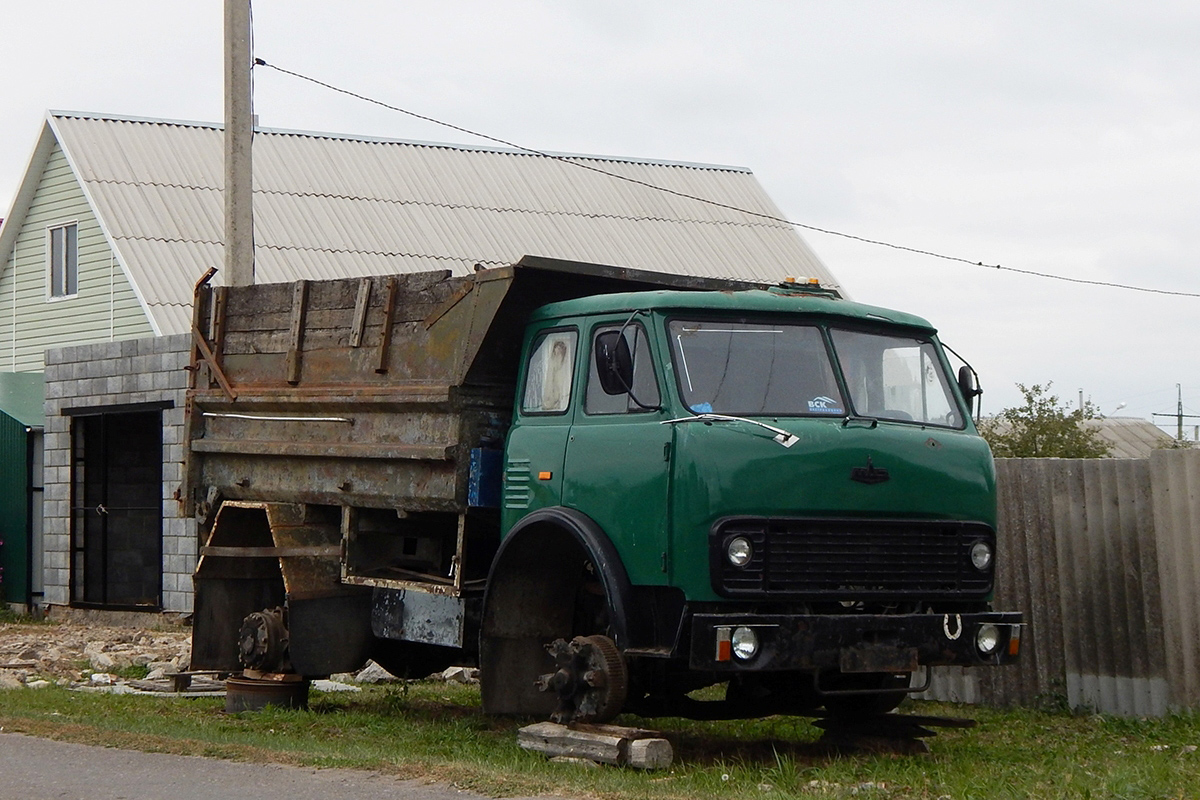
1043,428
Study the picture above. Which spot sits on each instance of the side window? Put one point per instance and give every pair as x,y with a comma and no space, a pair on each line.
550,371
645,386
63,255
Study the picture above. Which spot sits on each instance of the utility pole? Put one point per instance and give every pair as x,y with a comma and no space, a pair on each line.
239,132
1178,415
1179,410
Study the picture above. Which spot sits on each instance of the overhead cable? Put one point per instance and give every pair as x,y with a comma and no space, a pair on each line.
575,162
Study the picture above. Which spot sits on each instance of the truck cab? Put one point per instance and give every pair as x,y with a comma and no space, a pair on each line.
786,487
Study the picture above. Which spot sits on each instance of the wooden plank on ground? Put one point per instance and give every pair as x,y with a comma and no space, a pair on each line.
606,744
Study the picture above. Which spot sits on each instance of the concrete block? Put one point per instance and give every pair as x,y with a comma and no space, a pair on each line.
93,368
55,592
178,602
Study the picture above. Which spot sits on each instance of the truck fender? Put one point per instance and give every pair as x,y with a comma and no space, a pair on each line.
529,601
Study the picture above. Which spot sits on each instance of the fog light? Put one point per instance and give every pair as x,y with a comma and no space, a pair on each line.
745,643
981,555
739,551
987,639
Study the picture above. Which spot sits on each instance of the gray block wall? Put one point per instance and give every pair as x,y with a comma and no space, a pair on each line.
128,373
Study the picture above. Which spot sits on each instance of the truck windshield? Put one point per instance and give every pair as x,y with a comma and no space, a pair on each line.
753,369
895,377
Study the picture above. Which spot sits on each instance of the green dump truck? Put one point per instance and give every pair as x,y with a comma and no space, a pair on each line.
608,488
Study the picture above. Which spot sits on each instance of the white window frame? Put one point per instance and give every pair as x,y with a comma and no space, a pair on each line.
70,264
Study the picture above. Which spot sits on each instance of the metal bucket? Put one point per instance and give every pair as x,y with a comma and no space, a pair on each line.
249,694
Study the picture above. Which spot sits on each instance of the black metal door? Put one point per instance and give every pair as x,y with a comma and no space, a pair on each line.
116,515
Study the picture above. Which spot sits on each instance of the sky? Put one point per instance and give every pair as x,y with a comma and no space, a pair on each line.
1061,138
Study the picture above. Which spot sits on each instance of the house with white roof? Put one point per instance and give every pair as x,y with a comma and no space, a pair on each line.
116,219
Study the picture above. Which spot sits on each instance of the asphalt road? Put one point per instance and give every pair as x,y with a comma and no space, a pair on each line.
42,769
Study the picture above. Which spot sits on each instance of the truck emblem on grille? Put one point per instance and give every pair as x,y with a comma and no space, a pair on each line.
869,474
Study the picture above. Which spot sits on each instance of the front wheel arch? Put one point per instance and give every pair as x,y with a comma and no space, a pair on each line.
532,588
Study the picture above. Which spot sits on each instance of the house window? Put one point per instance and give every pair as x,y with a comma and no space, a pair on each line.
64,260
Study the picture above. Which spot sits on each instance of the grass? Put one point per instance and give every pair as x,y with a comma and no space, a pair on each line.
436,732
7,615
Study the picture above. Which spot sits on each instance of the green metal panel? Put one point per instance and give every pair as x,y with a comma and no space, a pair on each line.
23,397
14,515
105,308
21,409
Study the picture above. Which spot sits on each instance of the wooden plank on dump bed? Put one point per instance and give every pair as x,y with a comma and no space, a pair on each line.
360,312
389,315
299,307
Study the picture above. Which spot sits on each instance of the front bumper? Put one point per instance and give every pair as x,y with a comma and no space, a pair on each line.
853,643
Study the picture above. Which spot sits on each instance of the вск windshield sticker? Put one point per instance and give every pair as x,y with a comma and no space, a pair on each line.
824,405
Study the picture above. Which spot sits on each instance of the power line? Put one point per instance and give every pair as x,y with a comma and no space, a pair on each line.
573,161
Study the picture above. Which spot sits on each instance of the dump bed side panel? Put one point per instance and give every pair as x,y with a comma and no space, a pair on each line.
342,392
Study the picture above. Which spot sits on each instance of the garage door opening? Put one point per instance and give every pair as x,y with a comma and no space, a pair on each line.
117,510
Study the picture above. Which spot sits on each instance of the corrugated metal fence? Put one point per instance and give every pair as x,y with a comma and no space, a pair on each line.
1103,556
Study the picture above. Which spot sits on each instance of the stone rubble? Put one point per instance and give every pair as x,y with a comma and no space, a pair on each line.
77,654
93,656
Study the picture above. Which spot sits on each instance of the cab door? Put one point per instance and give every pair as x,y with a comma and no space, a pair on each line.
537,442
618,459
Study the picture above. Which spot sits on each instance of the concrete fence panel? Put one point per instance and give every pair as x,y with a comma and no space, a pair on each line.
1176,477
1103,557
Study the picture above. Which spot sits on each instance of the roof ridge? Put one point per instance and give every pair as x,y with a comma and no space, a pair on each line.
351,137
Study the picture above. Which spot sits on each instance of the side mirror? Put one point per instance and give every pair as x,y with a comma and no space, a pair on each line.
614,363
966,385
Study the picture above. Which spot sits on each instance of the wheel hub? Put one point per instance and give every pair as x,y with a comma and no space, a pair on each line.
263,640
591,681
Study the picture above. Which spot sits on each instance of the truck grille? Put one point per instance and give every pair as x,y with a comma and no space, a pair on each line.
851,559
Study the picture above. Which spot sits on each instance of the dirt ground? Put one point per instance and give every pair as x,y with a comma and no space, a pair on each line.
71,651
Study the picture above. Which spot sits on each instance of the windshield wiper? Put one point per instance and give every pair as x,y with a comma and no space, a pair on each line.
785,438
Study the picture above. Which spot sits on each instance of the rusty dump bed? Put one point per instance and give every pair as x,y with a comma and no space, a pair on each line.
367,392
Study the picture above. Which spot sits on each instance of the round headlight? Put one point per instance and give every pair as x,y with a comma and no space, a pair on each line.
981,555
745,643
987,639
739,551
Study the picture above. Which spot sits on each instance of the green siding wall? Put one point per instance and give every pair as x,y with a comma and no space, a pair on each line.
14,510
105,309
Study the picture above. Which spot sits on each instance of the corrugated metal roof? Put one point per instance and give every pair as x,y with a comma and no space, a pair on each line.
1130,437
333,206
